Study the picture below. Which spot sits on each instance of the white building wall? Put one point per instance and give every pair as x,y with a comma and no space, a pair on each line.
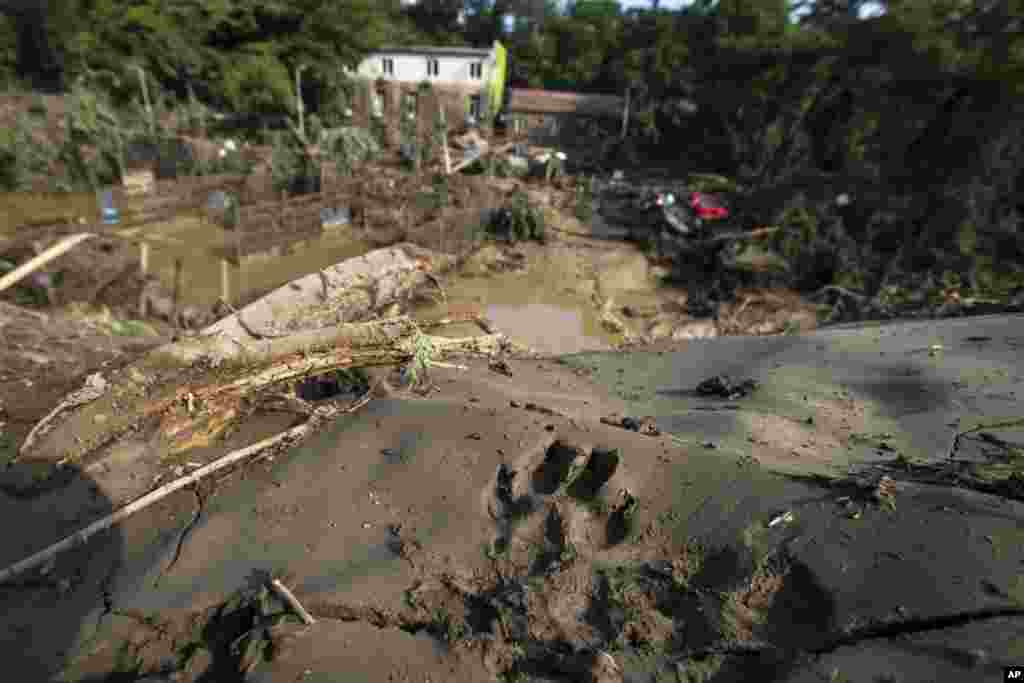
413,68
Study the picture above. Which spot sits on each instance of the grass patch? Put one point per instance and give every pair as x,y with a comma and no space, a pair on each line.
131,328
8,449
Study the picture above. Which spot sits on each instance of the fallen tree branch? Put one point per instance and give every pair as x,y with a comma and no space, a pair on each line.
80,537
726,237
841,291
214,375
292,602
34,264
93,388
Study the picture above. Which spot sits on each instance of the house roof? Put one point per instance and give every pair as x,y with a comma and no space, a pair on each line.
525,101
439,51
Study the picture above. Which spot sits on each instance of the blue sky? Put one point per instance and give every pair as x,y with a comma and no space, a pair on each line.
667,4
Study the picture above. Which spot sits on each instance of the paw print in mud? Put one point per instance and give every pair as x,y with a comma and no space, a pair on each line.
559,503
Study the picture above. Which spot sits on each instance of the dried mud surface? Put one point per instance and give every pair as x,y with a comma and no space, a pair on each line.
499,529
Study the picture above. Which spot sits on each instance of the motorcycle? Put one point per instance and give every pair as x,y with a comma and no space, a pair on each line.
689,219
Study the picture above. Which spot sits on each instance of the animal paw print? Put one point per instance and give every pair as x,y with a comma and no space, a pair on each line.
558,504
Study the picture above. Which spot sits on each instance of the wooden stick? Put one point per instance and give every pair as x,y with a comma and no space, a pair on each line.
463,164
293,602
42,259
80,537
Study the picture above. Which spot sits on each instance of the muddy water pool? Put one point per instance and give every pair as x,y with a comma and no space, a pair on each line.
548,305
195,241
537,307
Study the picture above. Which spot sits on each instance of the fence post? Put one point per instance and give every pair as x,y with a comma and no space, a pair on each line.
444,139
179,268
225,281
283,220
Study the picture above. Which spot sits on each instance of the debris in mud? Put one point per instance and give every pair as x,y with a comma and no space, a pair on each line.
500,366
642,425
542,410
884,492
784,518
723,386
881,491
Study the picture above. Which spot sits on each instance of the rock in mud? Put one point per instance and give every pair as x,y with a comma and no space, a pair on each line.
723,386
643,425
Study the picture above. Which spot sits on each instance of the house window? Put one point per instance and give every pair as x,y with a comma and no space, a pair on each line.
433,67
474,106
476,70
388,66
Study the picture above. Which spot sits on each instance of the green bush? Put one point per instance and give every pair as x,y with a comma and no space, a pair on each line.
519,221
21,159
585,200
348,146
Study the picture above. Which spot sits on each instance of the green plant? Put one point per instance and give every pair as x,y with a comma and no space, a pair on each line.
348,146
439,134
232,212
91,121
38,107
423,352
521,220
21,159
569,554
8,448
441,191
492,553
286,162
452,630
407,130
585,200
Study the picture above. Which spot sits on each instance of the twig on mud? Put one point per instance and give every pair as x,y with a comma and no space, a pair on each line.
1013,422
80,537
293,602
11,309
433,278
841,291
93,388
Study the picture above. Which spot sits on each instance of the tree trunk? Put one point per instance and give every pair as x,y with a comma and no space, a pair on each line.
192,390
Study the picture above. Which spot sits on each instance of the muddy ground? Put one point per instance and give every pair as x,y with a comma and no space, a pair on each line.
553,545
506,526
579,290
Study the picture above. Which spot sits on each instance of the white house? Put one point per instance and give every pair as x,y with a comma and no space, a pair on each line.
470,70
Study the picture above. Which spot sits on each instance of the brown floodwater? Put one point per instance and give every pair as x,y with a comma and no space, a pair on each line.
530,308
195,242
536,307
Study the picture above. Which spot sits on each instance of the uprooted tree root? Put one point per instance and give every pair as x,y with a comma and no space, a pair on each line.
198,387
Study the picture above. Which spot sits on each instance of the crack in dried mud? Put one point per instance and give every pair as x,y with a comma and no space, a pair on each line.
183,536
